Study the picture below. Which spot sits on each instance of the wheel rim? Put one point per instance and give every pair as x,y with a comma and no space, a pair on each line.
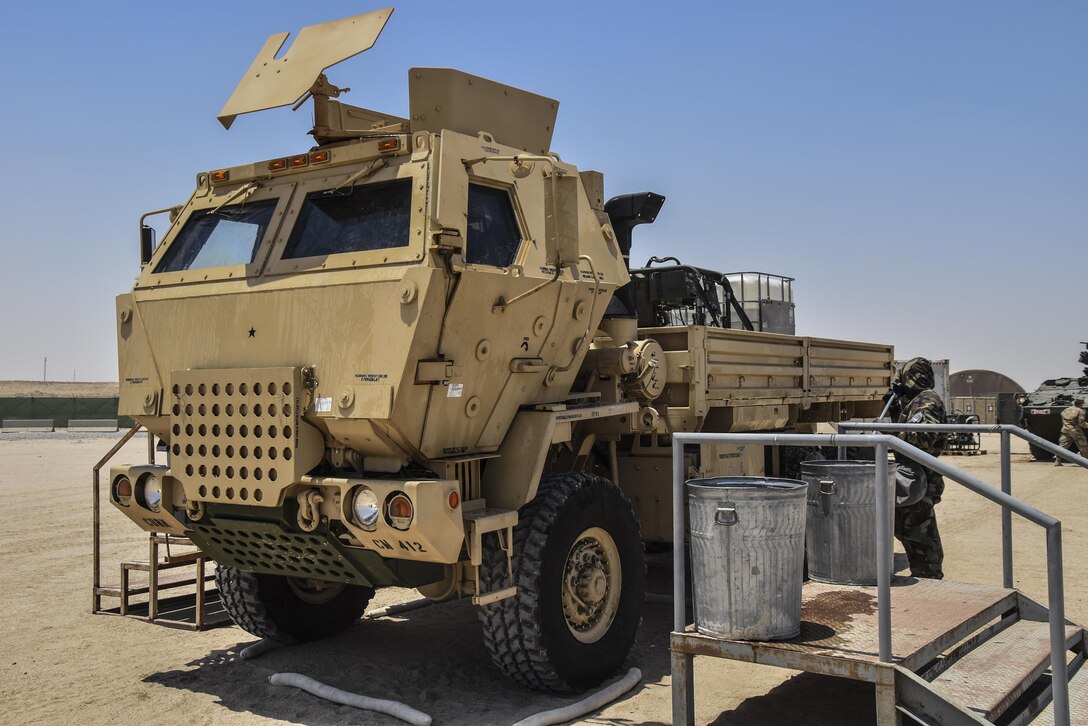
315,592
592,579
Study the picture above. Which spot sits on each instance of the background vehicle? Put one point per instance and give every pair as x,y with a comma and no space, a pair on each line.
1041,410
411,355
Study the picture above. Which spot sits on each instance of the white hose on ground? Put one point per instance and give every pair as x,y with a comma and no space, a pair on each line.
399,607
595,702
379,705
259,648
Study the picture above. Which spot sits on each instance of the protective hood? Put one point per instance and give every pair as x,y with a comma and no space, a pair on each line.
916,376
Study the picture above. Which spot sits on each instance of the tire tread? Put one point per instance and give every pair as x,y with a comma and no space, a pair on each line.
512,627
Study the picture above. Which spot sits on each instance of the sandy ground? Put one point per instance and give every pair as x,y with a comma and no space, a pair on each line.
59,663
58,389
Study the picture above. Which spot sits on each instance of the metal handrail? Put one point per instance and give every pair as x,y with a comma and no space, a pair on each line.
969,428
1006,466
96,524
882,443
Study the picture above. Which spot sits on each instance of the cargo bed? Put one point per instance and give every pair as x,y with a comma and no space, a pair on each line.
776,381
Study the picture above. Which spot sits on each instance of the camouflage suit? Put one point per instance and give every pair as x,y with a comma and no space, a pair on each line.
916,524
1073,427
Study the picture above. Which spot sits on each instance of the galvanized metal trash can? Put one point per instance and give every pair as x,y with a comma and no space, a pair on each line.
747,554
840,534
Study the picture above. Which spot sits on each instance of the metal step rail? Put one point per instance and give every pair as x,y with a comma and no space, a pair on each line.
1007,431
683,687
97,591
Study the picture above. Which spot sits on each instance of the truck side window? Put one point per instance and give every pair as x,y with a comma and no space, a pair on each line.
493,236
359,218
229,236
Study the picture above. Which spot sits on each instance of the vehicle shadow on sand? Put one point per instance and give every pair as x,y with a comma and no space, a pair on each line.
432,659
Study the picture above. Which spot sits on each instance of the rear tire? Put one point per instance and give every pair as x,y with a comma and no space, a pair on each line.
579,568
288,609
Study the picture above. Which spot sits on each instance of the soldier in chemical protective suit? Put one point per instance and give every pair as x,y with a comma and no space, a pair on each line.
1073,428
918,490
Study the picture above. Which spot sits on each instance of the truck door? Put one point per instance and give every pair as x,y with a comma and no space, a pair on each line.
496,348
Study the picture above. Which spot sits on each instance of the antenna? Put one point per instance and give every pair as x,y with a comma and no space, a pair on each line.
272,82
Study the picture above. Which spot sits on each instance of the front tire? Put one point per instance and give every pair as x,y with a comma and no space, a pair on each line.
289,609
578,565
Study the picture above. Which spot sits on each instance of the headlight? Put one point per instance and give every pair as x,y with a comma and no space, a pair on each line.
151,492
365,507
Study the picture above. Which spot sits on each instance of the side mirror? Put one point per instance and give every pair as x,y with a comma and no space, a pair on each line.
561,219
147,243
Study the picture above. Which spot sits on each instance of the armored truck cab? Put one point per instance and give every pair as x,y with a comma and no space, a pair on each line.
409,355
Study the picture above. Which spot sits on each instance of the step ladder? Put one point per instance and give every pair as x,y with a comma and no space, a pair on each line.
197,610
963,654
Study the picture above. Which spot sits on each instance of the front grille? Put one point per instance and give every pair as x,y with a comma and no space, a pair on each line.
264,547
235,433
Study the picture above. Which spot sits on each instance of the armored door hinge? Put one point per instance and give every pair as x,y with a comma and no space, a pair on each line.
448,238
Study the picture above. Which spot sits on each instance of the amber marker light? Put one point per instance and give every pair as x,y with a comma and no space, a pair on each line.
277,165
454,499
319,157
220,175
297,161
122,490
399,510
388,144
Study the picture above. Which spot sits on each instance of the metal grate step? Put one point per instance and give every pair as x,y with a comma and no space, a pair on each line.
991,677
1078,698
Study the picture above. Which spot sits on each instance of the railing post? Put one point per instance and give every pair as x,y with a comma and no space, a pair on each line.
883,555
679,611
1056,605
1006,513
1055,598
683,679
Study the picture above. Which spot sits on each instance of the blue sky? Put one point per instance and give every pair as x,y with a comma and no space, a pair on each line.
920,167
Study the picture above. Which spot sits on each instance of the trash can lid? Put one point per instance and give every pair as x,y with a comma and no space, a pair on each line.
825,464
747,482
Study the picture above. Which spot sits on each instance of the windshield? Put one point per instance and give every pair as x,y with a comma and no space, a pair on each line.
369,217
229,236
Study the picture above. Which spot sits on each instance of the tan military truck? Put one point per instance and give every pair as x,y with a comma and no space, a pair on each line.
411,354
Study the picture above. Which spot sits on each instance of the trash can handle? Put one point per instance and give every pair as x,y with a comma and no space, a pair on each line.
827,487
726,514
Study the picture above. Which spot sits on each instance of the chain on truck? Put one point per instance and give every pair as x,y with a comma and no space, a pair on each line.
415,355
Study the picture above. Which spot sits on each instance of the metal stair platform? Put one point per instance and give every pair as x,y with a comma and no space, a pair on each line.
961,654
989,677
